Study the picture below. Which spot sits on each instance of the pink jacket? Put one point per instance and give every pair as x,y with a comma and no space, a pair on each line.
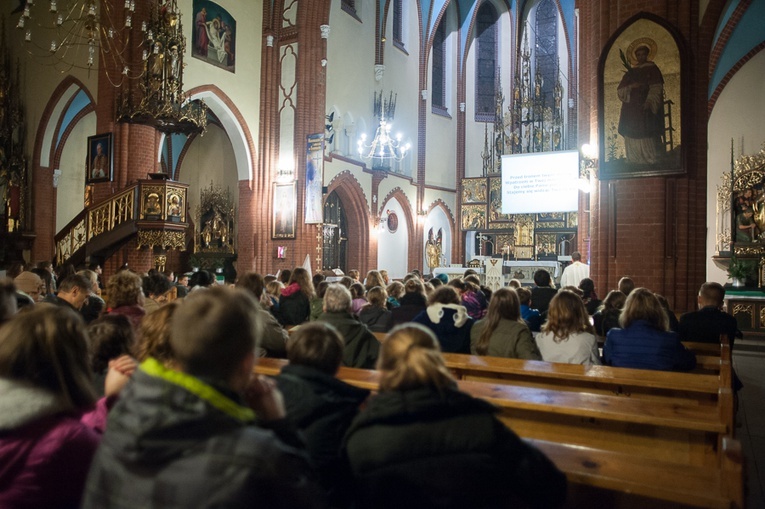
46,452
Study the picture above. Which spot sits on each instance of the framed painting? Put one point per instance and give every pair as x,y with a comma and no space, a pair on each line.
99,164
213,38
284,211
641,100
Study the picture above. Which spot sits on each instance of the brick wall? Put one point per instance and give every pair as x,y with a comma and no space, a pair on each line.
652,229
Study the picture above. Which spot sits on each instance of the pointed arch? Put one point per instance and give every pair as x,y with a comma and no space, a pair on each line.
234,125
68,104
356,213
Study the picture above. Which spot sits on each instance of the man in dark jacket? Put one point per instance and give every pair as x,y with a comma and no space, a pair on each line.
318,404
186,438
707,323
73,291
361,346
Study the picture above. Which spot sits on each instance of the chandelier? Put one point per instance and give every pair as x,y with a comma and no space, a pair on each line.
383,147
158,98
83,34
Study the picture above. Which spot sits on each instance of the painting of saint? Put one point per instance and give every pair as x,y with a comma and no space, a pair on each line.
99,166
641,98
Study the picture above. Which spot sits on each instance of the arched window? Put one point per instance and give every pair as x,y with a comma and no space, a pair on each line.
438,75
546,44
486,63
398,23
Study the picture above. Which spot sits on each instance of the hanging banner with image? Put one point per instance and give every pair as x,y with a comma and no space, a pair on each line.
314,171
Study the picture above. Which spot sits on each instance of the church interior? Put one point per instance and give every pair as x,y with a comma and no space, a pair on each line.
260,132
264,135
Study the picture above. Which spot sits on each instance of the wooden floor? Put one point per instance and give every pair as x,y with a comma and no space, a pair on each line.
749,362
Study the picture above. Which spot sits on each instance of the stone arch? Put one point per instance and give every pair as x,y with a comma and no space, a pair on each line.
234,125
400,196
69,103
357,214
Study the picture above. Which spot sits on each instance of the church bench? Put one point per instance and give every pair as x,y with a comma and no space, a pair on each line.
627,431
621,481
650,428
698,388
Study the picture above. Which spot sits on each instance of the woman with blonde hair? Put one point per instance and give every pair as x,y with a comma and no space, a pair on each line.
567,336
645,341
411,303
124,296
295,300
420,423
374,278
375,314
46,388
503,332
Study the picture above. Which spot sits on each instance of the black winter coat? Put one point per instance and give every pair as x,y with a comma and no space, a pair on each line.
445,449
322,407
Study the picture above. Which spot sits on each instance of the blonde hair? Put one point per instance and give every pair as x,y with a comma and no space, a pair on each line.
396,289
274,288
567,315
47,347
642,304
154,335
410,357
504,304
123,289
374,278
377,297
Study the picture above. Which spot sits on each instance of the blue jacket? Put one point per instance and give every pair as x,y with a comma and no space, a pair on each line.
451,326
644,347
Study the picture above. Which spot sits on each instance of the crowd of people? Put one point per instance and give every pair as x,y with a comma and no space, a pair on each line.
140,391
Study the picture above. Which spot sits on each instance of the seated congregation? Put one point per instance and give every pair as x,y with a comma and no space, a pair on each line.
159,397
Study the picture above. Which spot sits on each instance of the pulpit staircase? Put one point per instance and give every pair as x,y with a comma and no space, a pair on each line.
153,211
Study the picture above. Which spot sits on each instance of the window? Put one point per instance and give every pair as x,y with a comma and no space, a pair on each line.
486,63
349,6
398,23
438,76
546,43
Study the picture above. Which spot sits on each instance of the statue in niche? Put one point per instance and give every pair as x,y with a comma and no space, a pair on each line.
434,248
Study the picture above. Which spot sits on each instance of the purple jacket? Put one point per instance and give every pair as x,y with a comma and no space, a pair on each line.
46,452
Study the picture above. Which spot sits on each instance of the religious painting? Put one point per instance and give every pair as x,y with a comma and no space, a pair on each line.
495,201
474,190
473,217
99,164
314,169
284,211
213,38
641,101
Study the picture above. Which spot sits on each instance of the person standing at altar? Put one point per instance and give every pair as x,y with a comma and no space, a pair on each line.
574,273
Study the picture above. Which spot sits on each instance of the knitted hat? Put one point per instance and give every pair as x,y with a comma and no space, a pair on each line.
443,277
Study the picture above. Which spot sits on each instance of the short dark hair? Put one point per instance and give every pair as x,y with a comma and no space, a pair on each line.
213,330
444,295
524,295
626,285
110,337
712,293
318,345
542,278
75,280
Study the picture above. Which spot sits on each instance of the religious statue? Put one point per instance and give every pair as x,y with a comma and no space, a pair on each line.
433,249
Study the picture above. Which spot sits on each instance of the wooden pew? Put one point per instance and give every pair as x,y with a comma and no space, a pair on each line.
675,441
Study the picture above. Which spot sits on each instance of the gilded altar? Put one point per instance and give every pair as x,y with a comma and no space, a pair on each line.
214,223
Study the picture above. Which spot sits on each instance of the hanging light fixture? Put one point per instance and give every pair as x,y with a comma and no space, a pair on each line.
158,98
83,34
383,147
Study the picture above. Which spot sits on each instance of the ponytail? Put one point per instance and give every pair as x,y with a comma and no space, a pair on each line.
410,358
